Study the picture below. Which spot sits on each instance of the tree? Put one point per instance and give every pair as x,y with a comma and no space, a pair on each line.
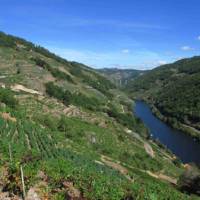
189,181
7,97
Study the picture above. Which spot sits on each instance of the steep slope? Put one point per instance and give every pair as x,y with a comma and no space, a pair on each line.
121,77
73,134
174,90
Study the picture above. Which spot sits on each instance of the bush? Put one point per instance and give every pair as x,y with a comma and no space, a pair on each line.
177,162
90,103
54,71
7,97
67,97
48,121
101,84
126,119
38,61
189,181
63,125
76,71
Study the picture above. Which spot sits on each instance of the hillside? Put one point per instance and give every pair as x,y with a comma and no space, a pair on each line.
174,90
72,134
121,77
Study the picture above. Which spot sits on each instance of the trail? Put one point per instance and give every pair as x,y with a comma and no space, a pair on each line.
149,150
18,88
108,161
124,171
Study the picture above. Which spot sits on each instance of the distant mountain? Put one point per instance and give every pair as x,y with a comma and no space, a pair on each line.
174,89
121,77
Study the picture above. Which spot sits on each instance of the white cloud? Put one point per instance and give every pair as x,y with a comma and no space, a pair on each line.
141,59
125,51
162,62
187,48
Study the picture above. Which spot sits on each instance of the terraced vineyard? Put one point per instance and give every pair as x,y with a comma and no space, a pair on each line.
72,139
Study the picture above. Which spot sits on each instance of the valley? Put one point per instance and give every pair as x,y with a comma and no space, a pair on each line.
73,133
172,91
99,100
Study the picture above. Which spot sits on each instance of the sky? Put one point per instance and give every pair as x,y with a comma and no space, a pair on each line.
136,34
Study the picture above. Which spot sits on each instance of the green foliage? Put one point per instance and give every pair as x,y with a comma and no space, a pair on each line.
150,79
48,121
127,120
188,66
68,149
76,70
7,40
181,99
190,181
63,151
12,42
60,75
67,97
175,90
54,71
7,97
177,162
38,61
101,84
57,92
90,103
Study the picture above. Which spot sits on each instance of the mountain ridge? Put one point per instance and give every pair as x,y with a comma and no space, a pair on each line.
121,77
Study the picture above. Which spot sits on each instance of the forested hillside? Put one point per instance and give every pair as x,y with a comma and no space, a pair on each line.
174,90
67,132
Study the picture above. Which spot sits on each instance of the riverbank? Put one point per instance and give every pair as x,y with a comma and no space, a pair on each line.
173,122
182,145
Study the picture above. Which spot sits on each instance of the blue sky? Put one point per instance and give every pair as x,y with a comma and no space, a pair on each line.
108,33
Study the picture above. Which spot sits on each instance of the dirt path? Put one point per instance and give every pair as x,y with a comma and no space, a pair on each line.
117,166
163,177
18,88
149,150
123,170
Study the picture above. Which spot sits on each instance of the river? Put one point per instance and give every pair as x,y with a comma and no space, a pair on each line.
182,145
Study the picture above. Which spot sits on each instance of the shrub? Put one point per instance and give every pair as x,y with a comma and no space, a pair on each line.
38,61
177,162
189,181
60,75
54,91
67,97
101,84
76,71
63,125
7,97
126,119
54,71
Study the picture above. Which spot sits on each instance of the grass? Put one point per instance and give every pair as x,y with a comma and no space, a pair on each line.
70,148
63,150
